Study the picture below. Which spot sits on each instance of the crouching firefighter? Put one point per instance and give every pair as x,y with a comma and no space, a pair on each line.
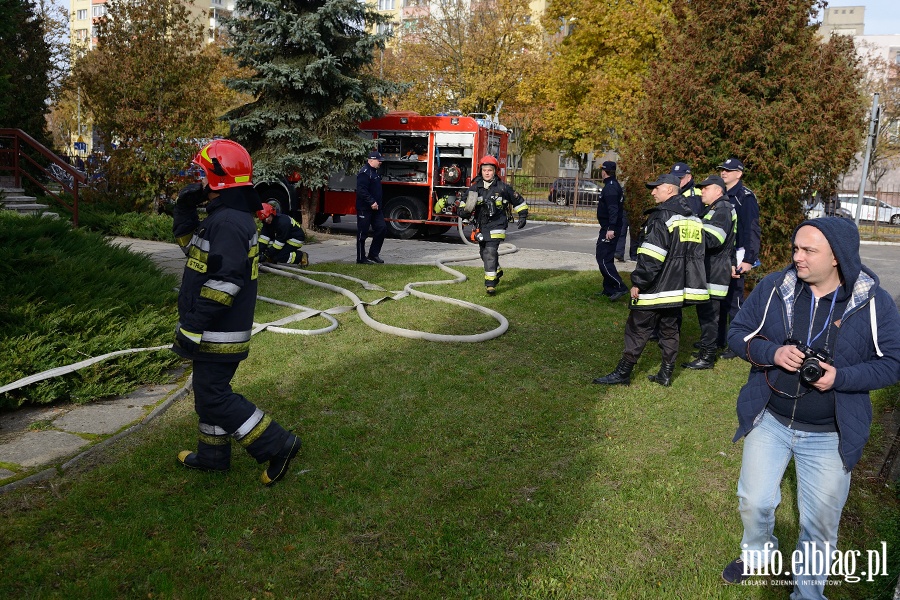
490,205
281,238
215,312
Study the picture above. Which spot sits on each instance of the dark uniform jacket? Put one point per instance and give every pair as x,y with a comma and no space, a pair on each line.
719,233
670,269
692,195
368,189
283,231
748,231
218,288
611,208
490,210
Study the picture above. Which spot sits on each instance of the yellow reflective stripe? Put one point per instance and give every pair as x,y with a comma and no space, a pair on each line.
198,254
690,231
242,179
214,440
194,337
520,207
703,296
216,295
651,253
184,240
256,431
214,348
264,239
295,242
278,245
716,232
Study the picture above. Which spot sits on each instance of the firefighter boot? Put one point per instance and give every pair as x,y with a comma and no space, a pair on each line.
215,457
278,465
706,359
621,376
304,259
664,377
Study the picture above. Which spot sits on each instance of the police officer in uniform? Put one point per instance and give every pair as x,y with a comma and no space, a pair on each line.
746,244
281,237
215,312
490,203
610,214
369,211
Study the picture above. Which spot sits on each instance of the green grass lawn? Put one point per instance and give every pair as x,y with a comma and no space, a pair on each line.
491,470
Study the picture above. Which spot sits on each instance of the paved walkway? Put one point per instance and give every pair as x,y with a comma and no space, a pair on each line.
37,443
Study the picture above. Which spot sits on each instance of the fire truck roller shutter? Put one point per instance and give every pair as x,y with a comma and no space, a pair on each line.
404,207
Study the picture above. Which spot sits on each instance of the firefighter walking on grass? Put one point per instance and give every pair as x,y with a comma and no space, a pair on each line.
215,312
281,238
490,205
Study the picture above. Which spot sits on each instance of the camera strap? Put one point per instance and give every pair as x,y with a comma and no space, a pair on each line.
812,310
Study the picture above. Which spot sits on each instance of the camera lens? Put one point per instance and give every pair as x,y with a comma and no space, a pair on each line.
811,371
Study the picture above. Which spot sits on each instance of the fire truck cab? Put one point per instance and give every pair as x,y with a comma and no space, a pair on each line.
425,158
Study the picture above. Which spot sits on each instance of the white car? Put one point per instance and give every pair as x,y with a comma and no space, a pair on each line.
886,212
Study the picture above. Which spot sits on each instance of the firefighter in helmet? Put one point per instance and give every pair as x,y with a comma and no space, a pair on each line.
281,238
215,312
490,205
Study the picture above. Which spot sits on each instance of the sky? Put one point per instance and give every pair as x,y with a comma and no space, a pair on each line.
882,16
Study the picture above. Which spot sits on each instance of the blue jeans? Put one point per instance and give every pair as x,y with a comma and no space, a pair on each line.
822,487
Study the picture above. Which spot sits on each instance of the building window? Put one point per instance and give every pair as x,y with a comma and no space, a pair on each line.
81,34
98,10
386,28
385,4
81,14
94,31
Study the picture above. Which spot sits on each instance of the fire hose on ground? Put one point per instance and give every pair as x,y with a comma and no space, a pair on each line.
306,312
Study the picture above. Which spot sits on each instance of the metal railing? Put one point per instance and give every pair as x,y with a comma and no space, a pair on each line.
22,157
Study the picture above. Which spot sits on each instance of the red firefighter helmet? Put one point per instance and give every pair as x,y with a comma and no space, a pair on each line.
490,160
227,164
267,211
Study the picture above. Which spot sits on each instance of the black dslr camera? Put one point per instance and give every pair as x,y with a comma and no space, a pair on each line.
810,371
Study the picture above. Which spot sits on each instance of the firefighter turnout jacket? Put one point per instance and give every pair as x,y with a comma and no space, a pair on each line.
282,239
490,207
670,268
218,289
719,234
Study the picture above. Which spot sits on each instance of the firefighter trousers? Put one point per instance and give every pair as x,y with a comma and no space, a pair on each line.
489,251
639,327
225,415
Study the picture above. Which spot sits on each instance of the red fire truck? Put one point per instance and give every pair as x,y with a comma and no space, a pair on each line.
425,158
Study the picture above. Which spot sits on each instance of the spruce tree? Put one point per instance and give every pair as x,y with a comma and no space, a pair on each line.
312,85
755,81
24,68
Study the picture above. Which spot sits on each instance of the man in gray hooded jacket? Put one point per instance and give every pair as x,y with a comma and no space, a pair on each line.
820,335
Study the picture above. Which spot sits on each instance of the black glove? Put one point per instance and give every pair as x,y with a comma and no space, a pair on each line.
523,216
191,195
187,341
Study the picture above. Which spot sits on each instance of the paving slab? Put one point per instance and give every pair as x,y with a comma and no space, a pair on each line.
5,474
99,418
18,421
37,448
145,396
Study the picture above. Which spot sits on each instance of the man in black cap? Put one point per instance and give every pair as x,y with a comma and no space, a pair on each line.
668,275
610,211
690,193
746,245
369,212
719,232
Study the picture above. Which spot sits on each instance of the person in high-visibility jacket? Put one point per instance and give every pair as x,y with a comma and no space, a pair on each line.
281,237
719,233
215,312
490,203
668,275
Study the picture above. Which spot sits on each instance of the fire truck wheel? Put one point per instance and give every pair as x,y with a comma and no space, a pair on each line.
403,207
320,219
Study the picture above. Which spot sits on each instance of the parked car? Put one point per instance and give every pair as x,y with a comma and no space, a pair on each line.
886,212
818,210
562,191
